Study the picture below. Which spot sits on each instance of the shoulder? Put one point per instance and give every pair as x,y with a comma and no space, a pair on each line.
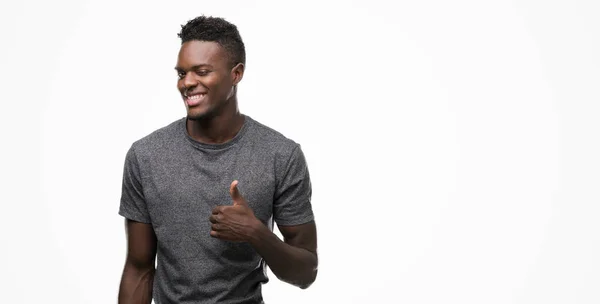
272,146
271,140
163,137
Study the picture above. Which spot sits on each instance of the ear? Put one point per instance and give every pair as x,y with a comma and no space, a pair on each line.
237,73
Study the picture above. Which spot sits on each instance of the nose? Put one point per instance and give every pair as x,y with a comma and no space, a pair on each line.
189,81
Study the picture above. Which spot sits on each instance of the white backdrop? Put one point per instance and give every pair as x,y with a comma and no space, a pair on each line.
453,145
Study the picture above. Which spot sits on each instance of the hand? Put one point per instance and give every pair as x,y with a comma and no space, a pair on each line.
235,222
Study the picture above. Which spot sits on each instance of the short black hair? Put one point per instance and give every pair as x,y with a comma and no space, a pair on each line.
215,29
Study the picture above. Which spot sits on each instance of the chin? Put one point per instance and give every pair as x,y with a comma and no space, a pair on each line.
199,115
196,116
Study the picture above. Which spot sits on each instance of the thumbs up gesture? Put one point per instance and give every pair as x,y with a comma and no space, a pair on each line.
236,196
234,222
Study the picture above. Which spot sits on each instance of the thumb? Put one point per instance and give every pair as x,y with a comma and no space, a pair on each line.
237,197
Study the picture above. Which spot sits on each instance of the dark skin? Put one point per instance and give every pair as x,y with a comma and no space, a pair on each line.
293,261
208,82
138,274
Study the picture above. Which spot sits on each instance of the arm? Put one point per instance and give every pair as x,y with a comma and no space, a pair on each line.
294,260
138,274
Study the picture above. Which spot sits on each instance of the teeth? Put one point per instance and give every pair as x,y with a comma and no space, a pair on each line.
196,96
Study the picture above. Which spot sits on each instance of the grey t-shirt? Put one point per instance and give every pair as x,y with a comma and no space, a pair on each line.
173,182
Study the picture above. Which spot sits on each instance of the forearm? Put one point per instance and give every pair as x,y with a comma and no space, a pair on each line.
136,285
290,264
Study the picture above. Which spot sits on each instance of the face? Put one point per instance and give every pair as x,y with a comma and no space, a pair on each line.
206,78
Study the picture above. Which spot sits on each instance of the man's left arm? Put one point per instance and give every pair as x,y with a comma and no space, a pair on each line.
293,260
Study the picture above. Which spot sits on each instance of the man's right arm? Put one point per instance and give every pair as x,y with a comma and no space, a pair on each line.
138,274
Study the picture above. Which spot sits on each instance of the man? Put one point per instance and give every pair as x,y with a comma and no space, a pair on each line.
201,194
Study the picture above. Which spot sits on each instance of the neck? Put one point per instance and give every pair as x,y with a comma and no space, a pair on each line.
217,129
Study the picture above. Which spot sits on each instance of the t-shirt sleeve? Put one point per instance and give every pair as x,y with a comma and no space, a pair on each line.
292,204
133,205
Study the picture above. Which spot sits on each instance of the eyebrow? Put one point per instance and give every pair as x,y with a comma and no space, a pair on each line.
195,67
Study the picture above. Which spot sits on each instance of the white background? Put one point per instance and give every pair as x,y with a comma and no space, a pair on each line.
453,145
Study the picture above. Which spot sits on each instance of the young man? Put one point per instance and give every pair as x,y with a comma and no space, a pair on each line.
201,194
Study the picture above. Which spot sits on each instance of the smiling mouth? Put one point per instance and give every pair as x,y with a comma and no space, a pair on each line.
194,100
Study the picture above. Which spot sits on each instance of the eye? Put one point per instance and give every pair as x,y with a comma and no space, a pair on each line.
202,72
180,74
